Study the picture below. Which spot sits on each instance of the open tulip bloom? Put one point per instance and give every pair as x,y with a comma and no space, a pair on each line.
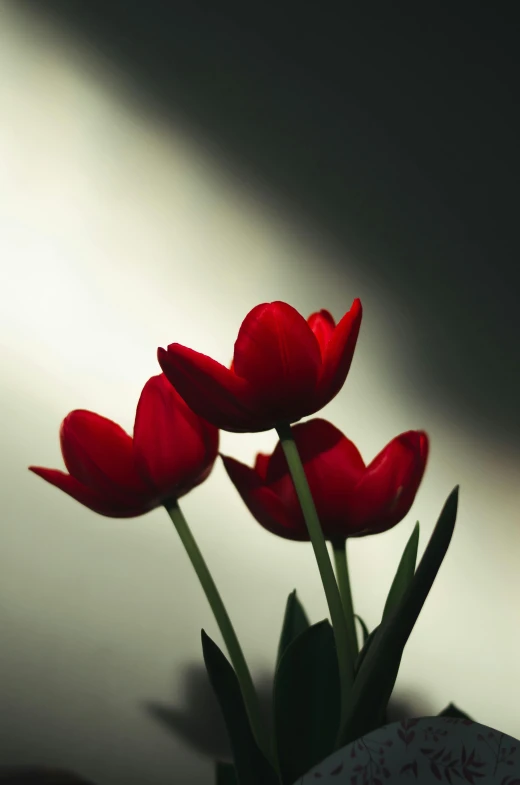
172,451
284,368
352,500
314,487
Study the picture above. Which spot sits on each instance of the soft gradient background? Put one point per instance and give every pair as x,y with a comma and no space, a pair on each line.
160,176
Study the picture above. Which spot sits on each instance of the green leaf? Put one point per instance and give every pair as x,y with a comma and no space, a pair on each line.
378,671
250,764
404,574
306,702
294,623
452,711
363,653
364,628
225,774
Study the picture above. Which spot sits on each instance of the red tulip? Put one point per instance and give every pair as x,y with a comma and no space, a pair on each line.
284,368
172,451
352,500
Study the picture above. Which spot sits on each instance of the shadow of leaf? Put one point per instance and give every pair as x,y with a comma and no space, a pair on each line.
407,705
199,724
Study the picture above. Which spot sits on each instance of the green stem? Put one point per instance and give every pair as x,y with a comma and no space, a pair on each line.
345,658
225,626
339,549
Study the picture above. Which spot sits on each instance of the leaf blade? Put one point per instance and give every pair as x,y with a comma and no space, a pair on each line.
364,628
404,574
378,671
306,702
453,711
225,773
250,764
363,653
294,623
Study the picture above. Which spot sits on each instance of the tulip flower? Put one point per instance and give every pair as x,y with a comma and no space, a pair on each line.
284,368
172,451
351,499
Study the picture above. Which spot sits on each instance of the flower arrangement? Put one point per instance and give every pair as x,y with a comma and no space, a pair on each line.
329,691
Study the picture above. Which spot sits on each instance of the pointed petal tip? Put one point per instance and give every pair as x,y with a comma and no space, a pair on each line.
41,471
356,309
168,354
162,356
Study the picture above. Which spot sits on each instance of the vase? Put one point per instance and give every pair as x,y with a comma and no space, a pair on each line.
428,750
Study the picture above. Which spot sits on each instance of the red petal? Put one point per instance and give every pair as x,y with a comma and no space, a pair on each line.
333,466
261,464
112,507
279,355
386,492
99,454
318,440
338,354
173,447
322,325
263,503
210,389
418,444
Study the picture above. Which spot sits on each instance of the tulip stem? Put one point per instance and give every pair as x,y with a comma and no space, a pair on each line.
339,549
225,626
341,635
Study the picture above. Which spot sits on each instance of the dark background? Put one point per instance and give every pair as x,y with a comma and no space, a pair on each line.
392,131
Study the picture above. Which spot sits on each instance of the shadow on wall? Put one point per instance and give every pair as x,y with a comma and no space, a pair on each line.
200,725
395,137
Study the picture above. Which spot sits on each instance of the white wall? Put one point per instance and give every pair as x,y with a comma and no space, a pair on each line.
118,235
